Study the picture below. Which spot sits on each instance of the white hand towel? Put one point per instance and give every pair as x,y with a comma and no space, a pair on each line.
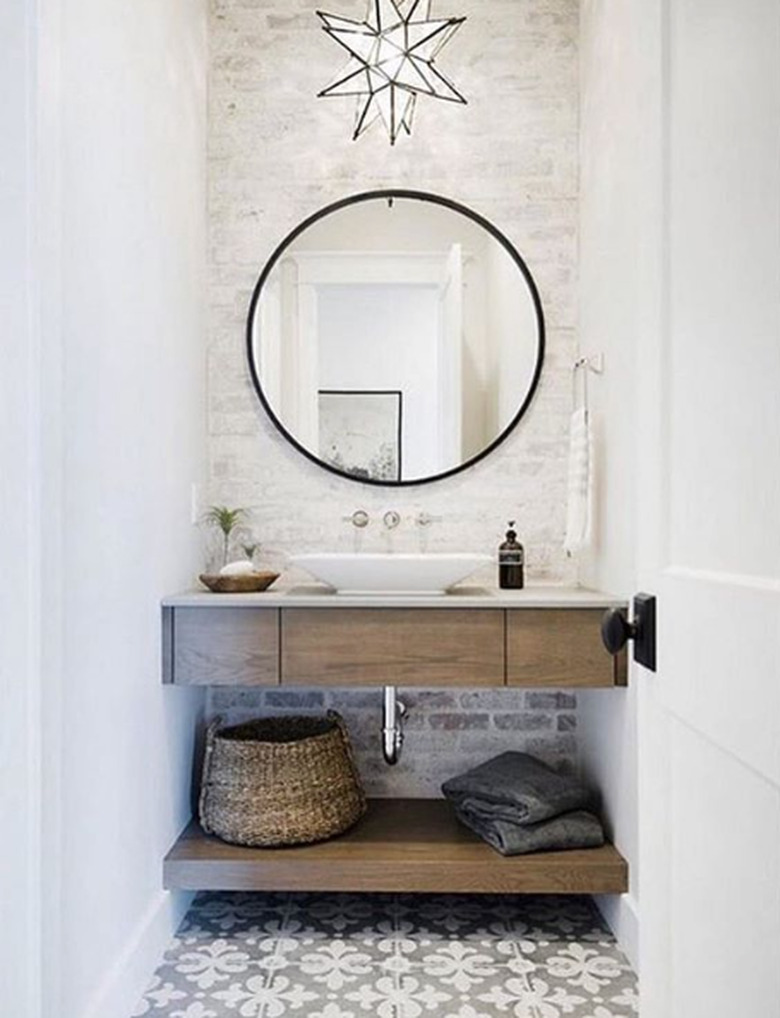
579,518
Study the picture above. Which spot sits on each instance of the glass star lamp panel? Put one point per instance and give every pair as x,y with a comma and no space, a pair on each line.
391,62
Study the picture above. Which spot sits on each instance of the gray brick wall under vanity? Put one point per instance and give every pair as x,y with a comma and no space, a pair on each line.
446,730
277,154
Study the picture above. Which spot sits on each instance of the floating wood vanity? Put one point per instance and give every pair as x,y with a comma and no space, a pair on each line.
308,637
537,637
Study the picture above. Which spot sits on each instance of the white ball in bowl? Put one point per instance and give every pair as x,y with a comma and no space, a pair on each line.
242,568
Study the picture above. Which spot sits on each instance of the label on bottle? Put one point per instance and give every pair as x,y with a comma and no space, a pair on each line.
511,558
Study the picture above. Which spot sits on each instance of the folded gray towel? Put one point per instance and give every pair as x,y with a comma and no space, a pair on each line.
516,788
577,829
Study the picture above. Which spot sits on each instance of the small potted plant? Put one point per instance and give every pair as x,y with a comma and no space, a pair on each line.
239,576
224,519
250,548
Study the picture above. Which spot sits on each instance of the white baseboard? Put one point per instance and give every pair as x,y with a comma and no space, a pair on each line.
124,984
621,914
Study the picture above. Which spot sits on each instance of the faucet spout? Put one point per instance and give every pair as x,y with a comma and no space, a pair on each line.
393,712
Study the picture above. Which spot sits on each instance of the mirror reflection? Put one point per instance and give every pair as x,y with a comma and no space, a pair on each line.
396,338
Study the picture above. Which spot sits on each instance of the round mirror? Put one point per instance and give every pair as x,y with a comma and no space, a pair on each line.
395,337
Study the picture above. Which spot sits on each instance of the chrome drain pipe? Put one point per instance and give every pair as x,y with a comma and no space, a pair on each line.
393,713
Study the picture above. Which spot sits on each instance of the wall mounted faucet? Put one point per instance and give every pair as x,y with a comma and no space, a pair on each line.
424,519
359,519
393,713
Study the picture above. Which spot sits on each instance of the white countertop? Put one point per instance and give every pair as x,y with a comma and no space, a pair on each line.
320,596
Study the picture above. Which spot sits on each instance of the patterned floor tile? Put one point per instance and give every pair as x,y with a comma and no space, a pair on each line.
393,956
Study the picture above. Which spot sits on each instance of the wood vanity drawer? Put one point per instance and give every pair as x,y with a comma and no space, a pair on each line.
560,647
393,646
222,646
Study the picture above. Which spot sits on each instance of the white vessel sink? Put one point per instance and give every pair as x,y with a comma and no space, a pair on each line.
390,574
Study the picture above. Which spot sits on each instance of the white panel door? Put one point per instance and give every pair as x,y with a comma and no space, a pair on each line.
709,492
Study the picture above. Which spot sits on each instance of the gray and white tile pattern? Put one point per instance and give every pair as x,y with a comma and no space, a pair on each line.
393,956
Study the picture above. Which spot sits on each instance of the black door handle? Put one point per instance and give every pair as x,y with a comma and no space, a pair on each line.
617,630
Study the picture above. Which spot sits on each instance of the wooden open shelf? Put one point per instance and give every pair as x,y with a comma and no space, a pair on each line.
412,845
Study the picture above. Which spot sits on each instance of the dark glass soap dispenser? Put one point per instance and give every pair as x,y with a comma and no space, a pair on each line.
511,561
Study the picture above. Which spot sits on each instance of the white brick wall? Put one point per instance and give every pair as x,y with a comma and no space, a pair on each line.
277,154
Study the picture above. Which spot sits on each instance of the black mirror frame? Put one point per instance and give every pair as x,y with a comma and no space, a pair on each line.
388,195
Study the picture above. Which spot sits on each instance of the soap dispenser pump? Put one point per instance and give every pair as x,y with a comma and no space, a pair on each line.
511,561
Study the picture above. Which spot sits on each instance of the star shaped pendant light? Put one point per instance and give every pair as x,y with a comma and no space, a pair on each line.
391,62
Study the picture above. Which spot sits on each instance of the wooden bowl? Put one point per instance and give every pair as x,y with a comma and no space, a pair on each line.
247,583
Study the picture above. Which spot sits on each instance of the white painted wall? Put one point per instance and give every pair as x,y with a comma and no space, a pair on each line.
609,288
20,959
117,216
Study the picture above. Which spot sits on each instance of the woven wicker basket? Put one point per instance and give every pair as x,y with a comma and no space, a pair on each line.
280,781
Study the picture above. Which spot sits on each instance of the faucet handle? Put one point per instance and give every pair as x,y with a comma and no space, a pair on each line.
425,519
391,519
359,519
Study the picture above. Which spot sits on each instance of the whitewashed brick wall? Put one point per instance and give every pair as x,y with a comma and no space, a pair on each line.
277,154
